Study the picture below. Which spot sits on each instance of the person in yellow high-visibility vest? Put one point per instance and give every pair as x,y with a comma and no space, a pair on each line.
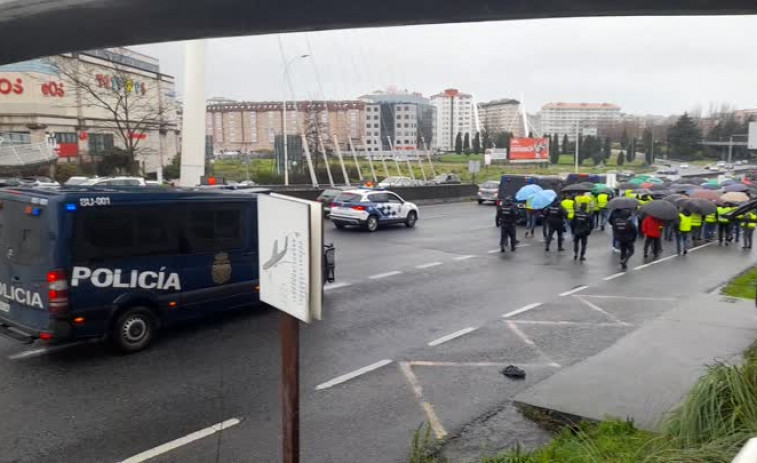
569,204
710,226
684,231
748,224
696,226
724,225
602,200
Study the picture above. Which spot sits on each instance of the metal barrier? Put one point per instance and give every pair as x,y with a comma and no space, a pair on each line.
415,193
25,155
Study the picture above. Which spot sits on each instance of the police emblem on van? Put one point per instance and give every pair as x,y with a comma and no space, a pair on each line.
221,268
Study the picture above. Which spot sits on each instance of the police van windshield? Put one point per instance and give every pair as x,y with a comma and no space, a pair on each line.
22,232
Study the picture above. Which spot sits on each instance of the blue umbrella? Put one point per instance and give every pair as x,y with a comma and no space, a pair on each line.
543,199
527,191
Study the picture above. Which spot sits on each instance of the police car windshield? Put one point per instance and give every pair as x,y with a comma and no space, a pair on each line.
348,197
22,232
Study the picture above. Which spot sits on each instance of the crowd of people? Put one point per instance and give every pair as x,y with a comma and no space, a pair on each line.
581,214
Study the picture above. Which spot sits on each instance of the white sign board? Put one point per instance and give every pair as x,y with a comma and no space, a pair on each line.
497,154
474,166
752,143
290,255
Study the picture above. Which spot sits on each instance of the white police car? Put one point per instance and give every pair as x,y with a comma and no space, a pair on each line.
368,209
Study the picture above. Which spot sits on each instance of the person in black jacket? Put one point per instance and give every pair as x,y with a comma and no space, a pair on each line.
581,225
625,232
508,218
555,215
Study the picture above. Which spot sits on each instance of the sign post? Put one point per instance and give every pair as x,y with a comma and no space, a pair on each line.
290,265
752,137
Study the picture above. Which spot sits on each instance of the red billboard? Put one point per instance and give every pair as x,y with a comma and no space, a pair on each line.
529,149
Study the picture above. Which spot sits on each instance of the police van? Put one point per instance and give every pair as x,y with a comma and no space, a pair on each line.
88,262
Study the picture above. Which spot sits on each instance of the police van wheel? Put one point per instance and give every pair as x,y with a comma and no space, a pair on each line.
371,224
134,330
412,218
339,225
480,202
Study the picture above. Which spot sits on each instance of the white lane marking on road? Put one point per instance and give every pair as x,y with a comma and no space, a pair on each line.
464,257
599,309
452,336
639,298
522,245
493,251
336,286
384,275
353,374
46,350
573,291
525,308
429,265
433,419
424,363
165,448
614,276
520,333
561,323
702,246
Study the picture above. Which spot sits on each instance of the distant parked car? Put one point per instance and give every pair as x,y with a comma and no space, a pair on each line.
76,180
684,166
44,182
392,182
488,191
326,197
728,166
114,181
446,179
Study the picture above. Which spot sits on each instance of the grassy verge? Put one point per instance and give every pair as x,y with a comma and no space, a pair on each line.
711,425
744,285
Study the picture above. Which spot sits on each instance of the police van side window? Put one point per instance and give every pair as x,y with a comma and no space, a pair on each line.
120,233
213,229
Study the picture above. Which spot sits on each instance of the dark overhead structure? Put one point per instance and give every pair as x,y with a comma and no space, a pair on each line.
33,28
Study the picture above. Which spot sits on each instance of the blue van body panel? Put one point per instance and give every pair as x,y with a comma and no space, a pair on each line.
177,286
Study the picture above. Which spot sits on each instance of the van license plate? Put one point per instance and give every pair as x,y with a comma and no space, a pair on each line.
5,307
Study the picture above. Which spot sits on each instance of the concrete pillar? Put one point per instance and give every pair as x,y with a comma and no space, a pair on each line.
193,128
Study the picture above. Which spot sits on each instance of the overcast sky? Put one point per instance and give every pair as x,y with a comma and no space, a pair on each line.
652,65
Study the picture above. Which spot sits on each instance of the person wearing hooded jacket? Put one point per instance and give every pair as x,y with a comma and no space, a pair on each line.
582,224
555,216
508,218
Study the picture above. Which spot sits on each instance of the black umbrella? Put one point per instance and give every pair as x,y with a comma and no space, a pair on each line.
588,184
684,187
698,206
577,188
663,210
622,203
657,187
691,180
626,186
674,198
743,209
642,191
738,187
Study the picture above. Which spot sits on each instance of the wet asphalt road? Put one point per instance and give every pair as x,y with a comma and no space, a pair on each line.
397,291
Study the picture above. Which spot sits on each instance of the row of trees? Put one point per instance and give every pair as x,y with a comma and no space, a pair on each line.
480,143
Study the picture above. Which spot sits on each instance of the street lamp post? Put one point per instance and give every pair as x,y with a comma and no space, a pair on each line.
284,119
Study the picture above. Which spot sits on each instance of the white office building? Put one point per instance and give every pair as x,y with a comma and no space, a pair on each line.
568,118
456,112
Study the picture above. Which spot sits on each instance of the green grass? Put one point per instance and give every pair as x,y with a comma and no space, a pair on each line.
711,425
263,171
744,285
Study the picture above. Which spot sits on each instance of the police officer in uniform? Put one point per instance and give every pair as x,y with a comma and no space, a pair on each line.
555,216
625,232
508,217
582,225
748,224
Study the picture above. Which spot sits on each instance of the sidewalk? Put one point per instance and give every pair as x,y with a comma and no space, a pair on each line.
650,370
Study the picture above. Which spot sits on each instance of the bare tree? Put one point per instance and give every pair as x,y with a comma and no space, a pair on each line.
128,101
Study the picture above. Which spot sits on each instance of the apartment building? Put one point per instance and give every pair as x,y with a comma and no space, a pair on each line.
567,118
456,112
397,120
502,115
253,126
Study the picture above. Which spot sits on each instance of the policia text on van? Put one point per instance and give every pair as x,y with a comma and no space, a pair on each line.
118,264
